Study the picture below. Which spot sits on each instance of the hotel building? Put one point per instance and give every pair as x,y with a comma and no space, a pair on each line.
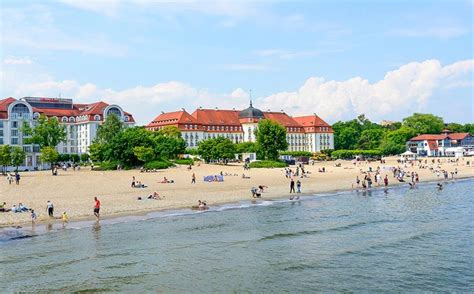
81,122
304,133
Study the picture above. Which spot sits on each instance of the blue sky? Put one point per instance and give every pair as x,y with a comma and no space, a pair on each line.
338,60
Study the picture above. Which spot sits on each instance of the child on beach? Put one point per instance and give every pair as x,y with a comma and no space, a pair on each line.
97,208
65,218
34,216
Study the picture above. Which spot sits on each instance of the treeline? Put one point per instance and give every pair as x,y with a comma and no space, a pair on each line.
362,134
116,145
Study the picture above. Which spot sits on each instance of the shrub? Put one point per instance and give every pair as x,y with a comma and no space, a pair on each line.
349,154
107,165
158,164
297,153
267,164
184,161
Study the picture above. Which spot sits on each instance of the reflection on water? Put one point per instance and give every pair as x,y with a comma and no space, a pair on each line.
397,240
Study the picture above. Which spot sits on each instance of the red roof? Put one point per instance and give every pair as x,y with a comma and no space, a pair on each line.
172,118
458,136
283,118
452,136
217,117
429,137
77,109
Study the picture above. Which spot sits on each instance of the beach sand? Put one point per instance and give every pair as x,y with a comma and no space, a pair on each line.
74,191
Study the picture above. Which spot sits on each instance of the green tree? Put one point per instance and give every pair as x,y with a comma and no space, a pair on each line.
170,131
111,128
49,155
468,128
246,147
144,154
370,138
216,149
84,157
394,142
345,138
271,139
455,127
5,157
18,157
46,133
74,158
424,123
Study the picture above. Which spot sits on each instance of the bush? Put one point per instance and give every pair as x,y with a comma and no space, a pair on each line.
192,151
184,161
297,153
107,165
267,164
158,164
349,154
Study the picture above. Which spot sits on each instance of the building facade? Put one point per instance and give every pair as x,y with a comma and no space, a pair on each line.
442,144
81,122
304,133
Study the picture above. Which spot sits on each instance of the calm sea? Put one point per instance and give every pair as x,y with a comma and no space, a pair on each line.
400,241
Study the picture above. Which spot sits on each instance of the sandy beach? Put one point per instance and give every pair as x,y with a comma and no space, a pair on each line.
73,191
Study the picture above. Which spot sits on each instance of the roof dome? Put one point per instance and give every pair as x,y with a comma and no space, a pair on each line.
251,112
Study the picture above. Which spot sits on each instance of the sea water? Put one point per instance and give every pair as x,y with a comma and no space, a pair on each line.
397,240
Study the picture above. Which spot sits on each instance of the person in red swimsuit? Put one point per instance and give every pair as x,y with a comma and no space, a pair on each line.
96,207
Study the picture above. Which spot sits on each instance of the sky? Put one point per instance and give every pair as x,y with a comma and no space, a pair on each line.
338,59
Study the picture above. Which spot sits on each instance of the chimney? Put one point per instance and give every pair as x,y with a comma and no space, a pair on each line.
162,112
183,109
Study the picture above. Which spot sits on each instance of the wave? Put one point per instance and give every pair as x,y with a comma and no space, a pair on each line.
320,231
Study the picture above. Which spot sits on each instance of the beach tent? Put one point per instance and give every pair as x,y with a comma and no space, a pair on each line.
408,155
454,151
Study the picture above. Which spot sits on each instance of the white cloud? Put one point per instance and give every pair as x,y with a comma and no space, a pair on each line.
433,32
404,90
17,60
407,88
107,7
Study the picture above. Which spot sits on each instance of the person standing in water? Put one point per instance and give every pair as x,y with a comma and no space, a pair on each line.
385,180
97,208
292,186
65,218
298,186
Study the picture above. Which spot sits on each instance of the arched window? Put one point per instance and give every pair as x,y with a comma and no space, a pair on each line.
20,111
127,118
71,119
97,117
36,115
64,119
114,110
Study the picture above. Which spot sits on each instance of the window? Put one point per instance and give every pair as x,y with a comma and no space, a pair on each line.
20,111
14,133
14,141
1,124
97,117
127,118
114,110
14,124
64,119
71,119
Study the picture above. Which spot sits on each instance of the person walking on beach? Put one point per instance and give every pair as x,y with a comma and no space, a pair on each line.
298,186
97,208
64,218
385,180
50,208
33,216
193,179
133,182
10,178
292,186
17,178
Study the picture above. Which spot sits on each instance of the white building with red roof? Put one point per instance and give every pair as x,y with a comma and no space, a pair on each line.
441,144
81,122
305,133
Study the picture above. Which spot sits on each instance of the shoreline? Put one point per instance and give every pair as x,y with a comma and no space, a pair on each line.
144,212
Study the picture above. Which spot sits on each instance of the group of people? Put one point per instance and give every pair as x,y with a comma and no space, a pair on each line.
137,184
13,177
